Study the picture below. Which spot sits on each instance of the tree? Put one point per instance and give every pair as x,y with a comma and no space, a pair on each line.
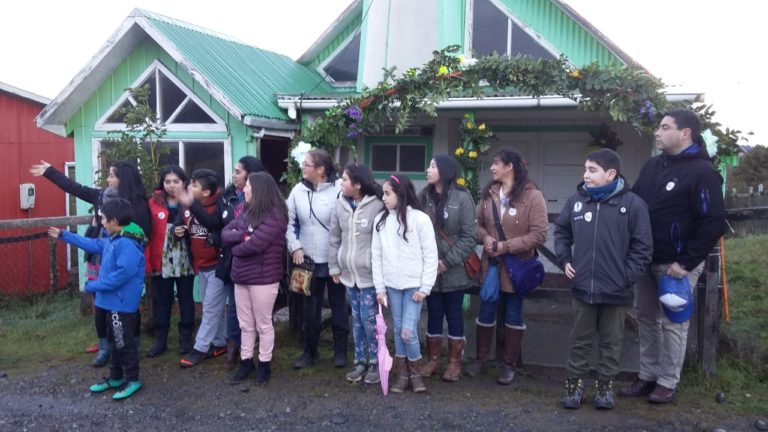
139,142
753,168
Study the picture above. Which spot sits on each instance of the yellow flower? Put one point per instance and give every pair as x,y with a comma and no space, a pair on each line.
412,72
472,154
459,151
482,126
470,125
461,181
443,70
575,74
461,58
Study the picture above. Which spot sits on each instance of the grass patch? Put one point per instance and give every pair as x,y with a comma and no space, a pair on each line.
49,330
746,336
745,388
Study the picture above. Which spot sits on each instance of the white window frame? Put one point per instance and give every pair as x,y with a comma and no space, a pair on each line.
156,68
511,19
397,155
336,52
227,148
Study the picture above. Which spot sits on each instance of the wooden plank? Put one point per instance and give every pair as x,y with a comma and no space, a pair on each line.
45,222
710,315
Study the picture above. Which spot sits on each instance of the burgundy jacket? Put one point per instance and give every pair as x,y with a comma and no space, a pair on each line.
257,251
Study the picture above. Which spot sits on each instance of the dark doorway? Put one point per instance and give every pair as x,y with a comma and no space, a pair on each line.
273,152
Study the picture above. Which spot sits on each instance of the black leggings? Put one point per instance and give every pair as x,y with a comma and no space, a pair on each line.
124,359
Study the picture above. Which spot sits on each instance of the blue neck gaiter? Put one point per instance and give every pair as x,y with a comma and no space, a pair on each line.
600,193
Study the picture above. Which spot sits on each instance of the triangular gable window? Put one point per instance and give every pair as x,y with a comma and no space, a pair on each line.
342,66
494,30
175,105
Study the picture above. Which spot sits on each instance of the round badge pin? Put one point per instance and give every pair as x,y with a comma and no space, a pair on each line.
186,213
670,186
363,223
623,210
588,216
577,207
445,214
161,215
512,211
224,214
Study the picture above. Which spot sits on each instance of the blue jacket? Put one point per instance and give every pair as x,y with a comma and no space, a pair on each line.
121,277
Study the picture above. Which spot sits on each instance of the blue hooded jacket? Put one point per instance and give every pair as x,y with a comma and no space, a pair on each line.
121,277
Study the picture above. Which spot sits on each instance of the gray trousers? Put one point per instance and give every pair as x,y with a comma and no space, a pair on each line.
603,323
213,327
662,342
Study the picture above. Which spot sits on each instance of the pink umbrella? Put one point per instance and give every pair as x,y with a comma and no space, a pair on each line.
385,360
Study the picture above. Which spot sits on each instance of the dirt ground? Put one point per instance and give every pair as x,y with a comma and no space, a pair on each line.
57,399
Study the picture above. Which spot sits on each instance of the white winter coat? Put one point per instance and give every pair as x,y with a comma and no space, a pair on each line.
312,236
401,264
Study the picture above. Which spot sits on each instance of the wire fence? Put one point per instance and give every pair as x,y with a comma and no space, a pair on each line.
31,263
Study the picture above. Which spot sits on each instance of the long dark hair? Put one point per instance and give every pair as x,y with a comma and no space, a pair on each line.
171,169
448,169
321,157
508,156
265,199
251,165
131,186
406,196
361,174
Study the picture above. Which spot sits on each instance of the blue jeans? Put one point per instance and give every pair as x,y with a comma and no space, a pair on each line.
446,305
405,314
514,313
233,325
364,308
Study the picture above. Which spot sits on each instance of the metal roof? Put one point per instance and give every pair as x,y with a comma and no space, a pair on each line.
23,93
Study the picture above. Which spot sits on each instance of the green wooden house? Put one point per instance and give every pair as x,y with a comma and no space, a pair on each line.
221,99
550,132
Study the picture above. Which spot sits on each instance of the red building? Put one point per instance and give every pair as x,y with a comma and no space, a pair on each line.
25,263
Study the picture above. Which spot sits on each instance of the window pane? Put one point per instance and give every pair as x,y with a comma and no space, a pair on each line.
489,29
152,99
170,154
523,44
118,115
171,96
343,67
204,155
384,157
192,113
413,158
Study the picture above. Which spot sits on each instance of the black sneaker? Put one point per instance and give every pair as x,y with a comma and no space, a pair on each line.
192,359
604,395
357,373
305,360
574,393
340,360
246,369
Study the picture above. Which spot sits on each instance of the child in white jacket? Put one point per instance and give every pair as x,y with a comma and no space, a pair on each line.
404,254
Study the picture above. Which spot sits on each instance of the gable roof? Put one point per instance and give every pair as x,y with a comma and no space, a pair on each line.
242,78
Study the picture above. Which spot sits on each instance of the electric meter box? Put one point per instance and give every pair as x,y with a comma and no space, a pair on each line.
27,195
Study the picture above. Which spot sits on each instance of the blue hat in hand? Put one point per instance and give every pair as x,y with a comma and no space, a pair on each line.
676,298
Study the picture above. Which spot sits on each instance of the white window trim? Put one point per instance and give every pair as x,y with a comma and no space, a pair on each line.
321,67
67,166
217,126
469,22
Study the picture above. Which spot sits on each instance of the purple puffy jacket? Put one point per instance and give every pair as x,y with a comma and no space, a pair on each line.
257,251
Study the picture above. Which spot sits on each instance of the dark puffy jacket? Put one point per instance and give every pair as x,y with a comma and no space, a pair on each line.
611,243
257,251
685,202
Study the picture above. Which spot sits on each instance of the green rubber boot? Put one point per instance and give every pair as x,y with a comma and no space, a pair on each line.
106,385
127,391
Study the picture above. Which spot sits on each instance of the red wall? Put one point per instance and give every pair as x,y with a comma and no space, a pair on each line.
24,267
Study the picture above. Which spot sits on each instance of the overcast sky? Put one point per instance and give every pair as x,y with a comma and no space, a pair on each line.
705,45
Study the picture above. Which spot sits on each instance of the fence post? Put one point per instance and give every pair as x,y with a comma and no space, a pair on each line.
54,268
709,313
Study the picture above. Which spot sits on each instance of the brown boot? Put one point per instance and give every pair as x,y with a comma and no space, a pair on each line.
483,338
401,373
435,347
513,338
417,381
233,355
453,370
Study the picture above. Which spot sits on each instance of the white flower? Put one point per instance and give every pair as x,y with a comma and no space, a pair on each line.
299,151
711,142
467,62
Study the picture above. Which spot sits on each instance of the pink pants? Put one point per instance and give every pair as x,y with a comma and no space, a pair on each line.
254,311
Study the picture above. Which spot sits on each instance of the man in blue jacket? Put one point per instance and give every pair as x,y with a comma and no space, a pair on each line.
685,203
118,290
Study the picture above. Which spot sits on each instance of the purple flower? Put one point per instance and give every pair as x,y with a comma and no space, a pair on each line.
648,109
354,113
